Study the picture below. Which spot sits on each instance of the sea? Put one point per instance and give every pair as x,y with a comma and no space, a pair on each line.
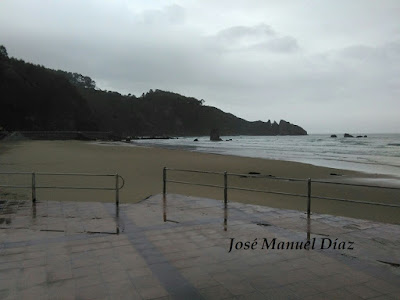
376,153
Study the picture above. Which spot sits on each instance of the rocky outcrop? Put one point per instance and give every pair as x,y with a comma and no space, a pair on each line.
261,128
275,128
286,128
333,136
214,135
358,136
268,128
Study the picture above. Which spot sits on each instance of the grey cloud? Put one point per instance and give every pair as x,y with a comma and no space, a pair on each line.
260,37
173,14
285,44
256,72
388,52
239,32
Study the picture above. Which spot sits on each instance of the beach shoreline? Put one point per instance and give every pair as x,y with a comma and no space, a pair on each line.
364,177
142,167
376,154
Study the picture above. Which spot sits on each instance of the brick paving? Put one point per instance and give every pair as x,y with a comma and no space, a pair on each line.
178,248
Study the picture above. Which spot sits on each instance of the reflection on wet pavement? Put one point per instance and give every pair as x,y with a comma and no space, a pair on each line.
181,247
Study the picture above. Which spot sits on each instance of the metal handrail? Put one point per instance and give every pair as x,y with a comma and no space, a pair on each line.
15,173
33,186
194,171
73,188
264,191
308,195
358,184
199,184
48,173
357,201
17,186
76,174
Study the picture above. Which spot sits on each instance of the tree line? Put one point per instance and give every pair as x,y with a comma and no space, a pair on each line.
37,98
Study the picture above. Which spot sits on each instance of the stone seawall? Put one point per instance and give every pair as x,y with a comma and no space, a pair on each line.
69,135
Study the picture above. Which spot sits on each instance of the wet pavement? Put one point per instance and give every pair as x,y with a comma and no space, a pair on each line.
191,248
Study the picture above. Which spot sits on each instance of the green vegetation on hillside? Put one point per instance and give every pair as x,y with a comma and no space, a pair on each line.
36,98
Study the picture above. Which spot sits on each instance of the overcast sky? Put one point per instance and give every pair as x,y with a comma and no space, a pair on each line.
328,66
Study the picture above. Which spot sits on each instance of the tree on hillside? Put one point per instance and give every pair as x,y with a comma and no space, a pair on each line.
78,80
3,52
83,81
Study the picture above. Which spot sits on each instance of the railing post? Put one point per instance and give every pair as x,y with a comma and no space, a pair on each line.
308,197
164,181
116,190
33,187
225,188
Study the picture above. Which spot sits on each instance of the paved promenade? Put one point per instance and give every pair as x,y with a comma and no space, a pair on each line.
191,248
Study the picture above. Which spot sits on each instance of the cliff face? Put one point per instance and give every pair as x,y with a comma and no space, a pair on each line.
40,99
285,128
165,113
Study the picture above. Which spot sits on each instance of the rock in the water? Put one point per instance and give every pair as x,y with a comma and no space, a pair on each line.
214,135
359,136
348,135
333,135
365,136
195,140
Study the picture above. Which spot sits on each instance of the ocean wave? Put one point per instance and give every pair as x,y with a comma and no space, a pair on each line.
377,154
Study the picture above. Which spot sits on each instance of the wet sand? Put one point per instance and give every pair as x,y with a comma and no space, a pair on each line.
141,167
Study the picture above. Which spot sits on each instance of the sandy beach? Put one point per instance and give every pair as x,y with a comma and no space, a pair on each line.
142,167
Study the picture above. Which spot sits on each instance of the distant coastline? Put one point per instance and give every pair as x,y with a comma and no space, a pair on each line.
35,98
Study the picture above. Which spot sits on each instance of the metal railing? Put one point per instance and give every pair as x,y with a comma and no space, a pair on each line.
309,182
33,186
